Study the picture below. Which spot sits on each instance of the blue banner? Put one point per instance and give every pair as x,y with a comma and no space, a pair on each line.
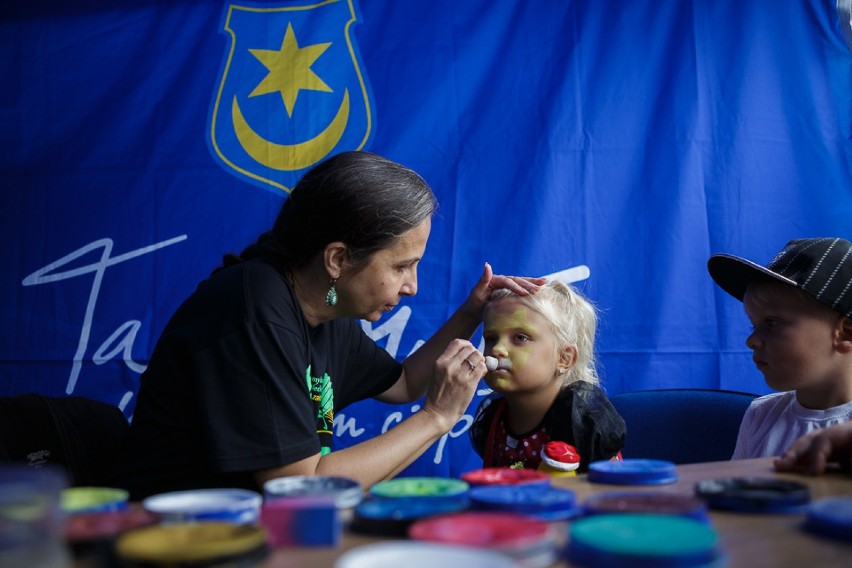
616,144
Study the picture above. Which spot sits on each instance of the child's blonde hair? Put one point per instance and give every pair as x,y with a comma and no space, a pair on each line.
573,320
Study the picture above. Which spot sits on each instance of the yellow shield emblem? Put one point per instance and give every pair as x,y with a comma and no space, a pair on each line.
291,91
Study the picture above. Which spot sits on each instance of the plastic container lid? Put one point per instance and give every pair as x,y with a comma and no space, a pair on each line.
544,502
632,472
507,532
505,476
754,494
421,555
393,516
85,527
419,487
76,500
831,517
239,506
346,492
193,544
640,541
638,502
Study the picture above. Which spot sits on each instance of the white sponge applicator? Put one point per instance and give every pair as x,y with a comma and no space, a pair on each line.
492,363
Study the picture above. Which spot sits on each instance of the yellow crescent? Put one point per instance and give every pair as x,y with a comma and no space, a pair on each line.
290,157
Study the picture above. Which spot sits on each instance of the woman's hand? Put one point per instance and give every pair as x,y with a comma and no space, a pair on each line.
488,282
457,373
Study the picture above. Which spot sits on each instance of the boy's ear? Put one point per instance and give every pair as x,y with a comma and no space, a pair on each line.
567,358
843,335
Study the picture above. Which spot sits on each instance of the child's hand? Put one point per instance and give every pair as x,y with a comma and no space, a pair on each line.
812,452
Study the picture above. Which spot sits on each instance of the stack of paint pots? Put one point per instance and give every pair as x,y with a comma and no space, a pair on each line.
308,510
95,518
207,527
509,512
394,505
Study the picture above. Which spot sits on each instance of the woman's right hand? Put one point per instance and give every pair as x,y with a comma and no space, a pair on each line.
456,377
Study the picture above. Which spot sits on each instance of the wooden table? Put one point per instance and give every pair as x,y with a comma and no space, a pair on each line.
749,540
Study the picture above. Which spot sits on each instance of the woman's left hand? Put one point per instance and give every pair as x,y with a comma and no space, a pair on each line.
488,282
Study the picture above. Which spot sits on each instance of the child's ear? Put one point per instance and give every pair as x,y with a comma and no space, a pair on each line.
843,335
567,358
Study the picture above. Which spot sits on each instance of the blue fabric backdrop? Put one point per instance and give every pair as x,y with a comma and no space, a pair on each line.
622,141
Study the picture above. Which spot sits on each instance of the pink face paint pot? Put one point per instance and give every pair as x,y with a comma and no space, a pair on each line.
527,541
301,521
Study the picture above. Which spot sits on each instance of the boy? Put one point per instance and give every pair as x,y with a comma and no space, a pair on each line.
800,307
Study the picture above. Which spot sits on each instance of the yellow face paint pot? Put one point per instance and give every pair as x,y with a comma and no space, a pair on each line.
191,544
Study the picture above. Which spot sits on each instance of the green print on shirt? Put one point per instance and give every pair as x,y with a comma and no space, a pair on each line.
321,392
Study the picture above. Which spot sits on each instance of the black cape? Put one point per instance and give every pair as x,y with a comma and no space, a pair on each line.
581,415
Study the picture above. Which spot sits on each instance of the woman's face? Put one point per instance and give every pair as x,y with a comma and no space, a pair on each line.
390,274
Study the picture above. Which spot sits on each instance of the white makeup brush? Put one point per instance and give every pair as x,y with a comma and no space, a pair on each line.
492,363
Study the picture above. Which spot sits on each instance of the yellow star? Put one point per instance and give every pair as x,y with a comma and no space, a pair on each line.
290,69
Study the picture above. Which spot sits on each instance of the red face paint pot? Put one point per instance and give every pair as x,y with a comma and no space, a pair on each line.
528,541
91,536
505,476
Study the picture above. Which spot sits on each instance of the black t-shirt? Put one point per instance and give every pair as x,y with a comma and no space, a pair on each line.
239,381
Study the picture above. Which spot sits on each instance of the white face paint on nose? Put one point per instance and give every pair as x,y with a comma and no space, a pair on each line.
492,363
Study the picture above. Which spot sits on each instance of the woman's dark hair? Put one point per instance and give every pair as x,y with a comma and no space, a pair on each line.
358,198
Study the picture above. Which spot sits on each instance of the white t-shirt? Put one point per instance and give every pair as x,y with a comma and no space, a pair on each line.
773,422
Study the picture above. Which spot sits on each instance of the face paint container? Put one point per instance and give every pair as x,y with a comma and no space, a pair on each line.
344,492
238,506
632,472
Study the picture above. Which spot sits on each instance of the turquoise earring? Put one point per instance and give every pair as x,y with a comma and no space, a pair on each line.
331,296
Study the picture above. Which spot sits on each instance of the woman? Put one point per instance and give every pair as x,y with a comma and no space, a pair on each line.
244,381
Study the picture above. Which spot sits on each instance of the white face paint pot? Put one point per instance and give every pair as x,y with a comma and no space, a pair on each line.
238,506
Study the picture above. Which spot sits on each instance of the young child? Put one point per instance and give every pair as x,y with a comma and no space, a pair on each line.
545,384
800,307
